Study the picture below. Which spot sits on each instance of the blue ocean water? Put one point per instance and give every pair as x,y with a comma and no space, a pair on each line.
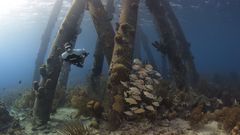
211,26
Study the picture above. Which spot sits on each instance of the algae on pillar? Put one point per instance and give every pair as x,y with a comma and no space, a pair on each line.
46,39
168,43
50,72
121,61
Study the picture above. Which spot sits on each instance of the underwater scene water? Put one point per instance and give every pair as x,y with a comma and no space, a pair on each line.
119,67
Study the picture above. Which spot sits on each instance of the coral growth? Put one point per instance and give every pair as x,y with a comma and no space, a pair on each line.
95,108
79,100
118,102
118,38
228,116
236,129
86,105
26,100
197,115
119,72
7,122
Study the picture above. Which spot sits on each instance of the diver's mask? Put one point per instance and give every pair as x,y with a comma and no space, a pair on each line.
68,47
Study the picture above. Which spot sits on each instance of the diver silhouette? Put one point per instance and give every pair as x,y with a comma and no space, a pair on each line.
74,56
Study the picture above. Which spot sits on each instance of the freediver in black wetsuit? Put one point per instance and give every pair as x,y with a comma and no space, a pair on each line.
74,56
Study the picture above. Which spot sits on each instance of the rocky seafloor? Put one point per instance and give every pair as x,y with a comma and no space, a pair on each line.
139,127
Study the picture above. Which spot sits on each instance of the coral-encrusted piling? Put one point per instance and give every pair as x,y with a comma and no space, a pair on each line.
66,67
168,43
105,41
97,68
46,38
103,27
110,9
121,61
146,47
183,44
50,72
98,60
